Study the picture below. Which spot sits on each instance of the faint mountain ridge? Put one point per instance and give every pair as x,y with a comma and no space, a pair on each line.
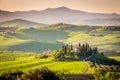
57,15
2,11
106,22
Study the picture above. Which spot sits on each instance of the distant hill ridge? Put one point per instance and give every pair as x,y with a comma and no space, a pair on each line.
60,14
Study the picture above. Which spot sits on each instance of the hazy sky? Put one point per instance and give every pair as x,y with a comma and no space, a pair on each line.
102,6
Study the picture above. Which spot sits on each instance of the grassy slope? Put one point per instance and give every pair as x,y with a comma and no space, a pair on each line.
27,63
42,35
42,40
110,40
32,40
6,41
116,58
81,28
101,59
29,37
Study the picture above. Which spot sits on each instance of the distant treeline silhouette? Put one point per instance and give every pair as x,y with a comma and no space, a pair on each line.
8,29
112,28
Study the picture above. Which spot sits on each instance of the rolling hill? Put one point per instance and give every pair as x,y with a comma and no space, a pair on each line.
33,40
61,33
20,23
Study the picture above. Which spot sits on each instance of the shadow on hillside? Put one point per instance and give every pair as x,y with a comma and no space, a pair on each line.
101,59
34,46
36,64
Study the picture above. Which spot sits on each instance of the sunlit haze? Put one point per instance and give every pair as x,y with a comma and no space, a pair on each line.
98,6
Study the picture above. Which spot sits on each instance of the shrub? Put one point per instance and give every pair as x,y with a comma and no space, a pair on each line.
90,63
57,54
40,74
107,74
10,75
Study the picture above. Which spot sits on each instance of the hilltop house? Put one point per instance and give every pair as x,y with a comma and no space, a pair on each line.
77,49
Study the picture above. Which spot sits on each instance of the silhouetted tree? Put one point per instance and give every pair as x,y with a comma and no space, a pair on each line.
71,47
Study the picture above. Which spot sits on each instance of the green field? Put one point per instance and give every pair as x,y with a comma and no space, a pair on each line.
26,61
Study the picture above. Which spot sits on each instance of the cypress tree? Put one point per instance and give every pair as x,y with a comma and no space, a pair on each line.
65,49
79,44
71,47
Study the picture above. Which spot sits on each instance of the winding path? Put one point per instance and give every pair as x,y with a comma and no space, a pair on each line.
86,70
87,67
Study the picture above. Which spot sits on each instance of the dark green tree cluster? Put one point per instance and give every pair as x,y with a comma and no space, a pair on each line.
85,50
60,26
107,73
40,74
66,52
98,59
74,52
112,28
